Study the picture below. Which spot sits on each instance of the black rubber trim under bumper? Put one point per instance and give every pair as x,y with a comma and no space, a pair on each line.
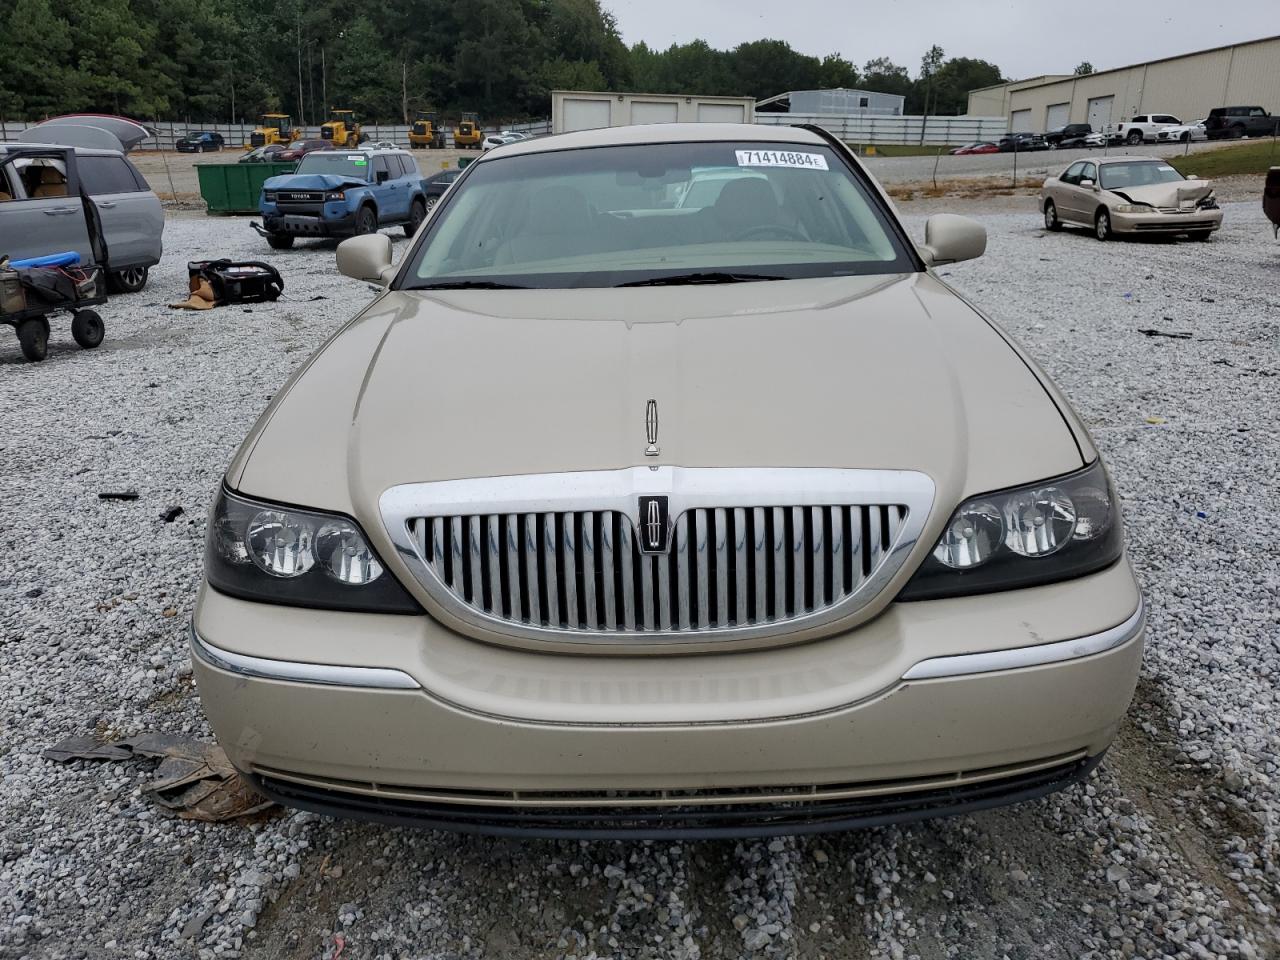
684,823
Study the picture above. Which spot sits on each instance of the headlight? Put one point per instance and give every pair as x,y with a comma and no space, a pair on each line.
1041,533
269,196
1133,208
266,552
1209,203
335,195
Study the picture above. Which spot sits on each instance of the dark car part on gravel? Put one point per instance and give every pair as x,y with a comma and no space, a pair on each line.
194,780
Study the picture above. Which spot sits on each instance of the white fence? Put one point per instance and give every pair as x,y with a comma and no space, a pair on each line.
237,134
897,130
858,130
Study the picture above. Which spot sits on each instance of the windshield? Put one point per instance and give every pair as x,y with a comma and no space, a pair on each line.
1119,176
605,216
335,163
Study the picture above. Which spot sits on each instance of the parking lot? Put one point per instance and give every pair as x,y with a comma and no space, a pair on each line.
1169,851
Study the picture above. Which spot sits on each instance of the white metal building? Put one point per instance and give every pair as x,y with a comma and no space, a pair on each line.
1187,86
591,109
837,101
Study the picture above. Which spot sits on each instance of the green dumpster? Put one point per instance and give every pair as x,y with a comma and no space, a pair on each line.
234,187
463,161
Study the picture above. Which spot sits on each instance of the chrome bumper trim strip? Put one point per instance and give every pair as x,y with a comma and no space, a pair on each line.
377,678
1034,656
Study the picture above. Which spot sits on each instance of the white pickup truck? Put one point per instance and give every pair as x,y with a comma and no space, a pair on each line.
1145,126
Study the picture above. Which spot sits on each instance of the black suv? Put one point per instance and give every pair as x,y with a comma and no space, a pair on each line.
1237,122
202,141
1072,135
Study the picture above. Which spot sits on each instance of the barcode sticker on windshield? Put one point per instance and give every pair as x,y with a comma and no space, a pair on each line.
781,158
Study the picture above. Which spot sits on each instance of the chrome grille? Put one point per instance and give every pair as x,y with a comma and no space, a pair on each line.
558,556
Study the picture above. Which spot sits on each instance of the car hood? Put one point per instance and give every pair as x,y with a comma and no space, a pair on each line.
311,181
1167,194
880,372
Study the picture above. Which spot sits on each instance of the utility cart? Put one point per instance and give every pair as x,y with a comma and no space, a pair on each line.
33,290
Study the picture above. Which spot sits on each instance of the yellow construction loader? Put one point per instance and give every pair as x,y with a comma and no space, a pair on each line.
467,135
272,128
426,132
342,130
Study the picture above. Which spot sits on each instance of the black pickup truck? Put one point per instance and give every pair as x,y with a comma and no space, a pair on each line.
1237,122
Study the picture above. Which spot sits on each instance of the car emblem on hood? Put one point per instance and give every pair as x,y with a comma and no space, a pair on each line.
651,429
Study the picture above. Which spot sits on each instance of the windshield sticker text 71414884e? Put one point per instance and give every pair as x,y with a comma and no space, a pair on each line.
781,158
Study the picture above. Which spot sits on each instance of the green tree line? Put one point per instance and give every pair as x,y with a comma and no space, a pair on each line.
219,60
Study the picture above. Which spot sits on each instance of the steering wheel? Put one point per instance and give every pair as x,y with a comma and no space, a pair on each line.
786,233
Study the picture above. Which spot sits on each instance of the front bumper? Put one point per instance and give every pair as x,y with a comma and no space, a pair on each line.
310,225
1167,223
931,708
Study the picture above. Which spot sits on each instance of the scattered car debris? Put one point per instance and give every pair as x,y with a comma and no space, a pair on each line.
194,780
1152,332
172,514
117,494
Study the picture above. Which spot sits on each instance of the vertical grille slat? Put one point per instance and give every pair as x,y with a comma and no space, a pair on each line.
569,554
722,568
683,587
535,581
727,567
587,569
605,543
700,555
551,551
760,548
740,572
625,551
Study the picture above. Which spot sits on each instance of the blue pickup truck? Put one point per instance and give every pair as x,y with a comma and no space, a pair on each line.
341,193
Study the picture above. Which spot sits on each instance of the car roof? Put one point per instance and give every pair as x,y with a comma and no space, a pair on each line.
660,133
1130,159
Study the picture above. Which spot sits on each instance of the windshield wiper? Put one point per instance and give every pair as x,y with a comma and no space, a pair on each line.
711,276
467,285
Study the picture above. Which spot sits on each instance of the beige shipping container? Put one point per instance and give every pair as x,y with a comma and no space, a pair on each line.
588,110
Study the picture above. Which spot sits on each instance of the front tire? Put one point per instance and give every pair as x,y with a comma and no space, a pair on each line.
280,241
1102,225
1051,221
128,280
87,329
33,337
366,221
1134,138
417,213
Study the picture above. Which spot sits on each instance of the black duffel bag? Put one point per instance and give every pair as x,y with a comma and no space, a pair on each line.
248,281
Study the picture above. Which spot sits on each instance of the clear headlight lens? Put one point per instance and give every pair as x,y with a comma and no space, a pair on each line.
266,552
335,195
1132,208
280,543
1048,531
269,195
345,555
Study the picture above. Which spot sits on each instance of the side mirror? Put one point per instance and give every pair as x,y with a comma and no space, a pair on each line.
1086,182
949,239
1193,176
383,176
367,258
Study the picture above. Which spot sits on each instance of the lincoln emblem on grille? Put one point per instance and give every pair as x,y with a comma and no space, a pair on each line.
654,517
651,428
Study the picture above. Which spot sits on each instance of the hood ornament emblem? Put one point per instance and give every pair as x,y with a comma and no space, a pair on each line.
651,429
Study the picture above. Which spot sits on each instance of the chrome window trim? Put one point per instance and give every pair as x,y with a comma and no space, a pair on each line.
1041,654
376,678
688,488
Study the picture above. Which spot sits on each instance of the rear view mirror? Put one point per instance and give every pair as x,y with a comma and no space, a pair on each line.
949,239
367,258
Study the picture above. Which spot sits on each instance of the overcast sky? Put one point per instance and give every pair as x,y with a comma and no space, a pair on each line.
1024,38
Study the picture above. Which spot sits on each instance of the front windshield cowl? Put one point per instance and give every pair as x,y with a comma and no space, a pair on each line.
658,214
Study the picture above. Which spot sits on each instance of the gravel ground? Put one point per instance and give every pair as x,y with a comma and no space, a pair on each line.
1169,851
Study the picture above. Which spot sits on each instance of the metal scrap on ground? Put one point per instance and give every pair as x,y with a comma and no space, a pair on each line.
194,781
